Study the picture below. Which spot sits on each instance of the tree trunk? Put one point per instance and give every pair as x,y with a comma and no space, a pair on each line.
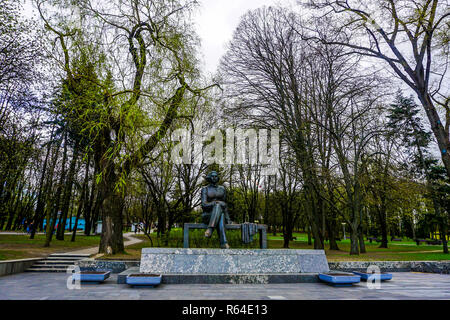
67,194
51,220
10,221
309,235
443,233
287,231
111,241
286,240
71,215
413,228
41,195
354,248
362,246
330,229
89,212
82,202
9,202
96,210
39,215
383,225
314,221
438,129
74,231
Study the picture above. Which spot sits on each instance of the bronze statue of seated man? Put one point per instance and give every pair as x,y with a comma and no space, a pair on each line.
215,212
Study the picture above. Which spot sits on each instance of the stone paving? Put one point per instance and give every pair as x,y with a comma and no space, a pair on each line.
52,286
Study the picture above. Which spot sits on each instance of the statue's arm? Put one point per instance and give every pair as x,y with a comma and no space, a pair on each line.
205,204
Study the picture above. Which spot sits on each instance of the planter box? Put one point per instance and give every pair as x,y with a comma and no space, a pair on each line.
144,279
339,279
383,276
91,276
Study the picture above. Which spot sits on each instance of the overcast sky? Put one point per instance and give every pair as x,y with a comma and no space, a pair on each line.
215,22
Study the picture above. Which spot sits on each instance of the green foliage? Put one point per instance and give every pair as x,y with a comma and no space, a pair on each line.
405,120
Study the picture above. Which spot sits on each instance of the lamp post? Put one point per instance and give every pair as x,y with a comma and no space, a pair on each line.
343,227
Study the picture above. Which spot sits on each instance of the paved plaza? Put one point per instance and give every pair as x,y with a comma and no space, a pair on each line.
53,286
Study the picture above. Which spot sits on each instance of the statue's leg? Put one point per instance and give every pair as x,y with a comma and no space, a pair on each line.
214,220
206,220
222,234
215,216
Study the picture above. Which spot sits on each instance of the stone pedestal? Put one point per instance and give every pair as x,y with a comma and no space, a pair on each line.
232,261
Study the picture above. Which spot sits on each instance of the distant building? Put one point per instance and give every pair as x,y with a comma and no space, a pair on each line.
70,223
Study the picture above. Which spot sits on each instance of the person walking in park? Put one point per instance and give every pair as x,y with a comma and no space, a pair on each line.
29,228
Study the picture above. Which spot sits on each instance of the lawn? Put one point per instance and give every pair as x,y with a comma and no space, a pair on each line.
21,246
405,250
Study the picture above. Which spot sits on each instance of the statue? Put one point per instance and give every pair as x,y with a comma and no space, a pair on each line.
215,212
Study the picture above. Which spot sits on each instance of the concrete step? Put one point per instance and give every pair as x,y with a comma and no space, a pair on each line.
51,266
57,262
32,269
70,255
63,259
54,262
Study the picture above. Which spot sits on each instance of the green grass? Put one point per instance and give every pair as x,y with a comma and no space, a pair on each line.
39,239
406,250
21,246
12,255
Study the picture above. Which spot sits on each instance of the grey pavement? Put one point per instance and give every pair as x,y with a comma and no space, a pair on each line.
53,286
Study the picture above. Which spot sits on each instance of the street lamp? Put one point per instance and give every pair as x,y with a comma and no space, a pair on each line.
343,227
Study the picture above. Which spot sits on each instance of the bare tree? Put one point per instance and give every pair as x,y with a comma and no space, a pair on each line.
411,37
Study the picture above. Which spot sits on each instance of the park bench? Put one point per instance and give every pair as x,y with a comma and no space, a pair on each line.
373,238
418,241
434,242
396,239
262,229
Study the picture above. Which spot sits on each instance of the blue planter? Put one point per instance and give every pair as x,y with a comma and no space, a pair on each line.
339,279
381,276
91,276
142,279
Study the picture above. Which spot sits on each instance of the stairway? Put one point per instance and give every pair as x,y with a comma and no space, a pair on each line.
56,262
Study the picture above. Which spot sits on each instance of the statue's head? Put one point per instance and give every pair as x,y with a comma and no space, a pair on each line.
212,177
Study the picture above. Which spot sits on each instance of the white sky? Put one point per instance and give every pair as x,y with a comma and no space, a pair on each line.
215,22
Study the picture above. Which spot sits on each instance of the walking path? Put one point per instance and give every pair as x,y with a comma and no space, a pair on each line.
130,240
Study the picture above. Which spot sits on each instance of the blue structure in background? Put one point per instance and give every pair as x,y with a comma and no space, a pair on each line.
69,223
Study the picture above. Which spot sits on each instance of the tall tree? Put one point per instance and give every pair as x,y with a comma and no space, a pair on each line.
153,50
381,30
404,116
